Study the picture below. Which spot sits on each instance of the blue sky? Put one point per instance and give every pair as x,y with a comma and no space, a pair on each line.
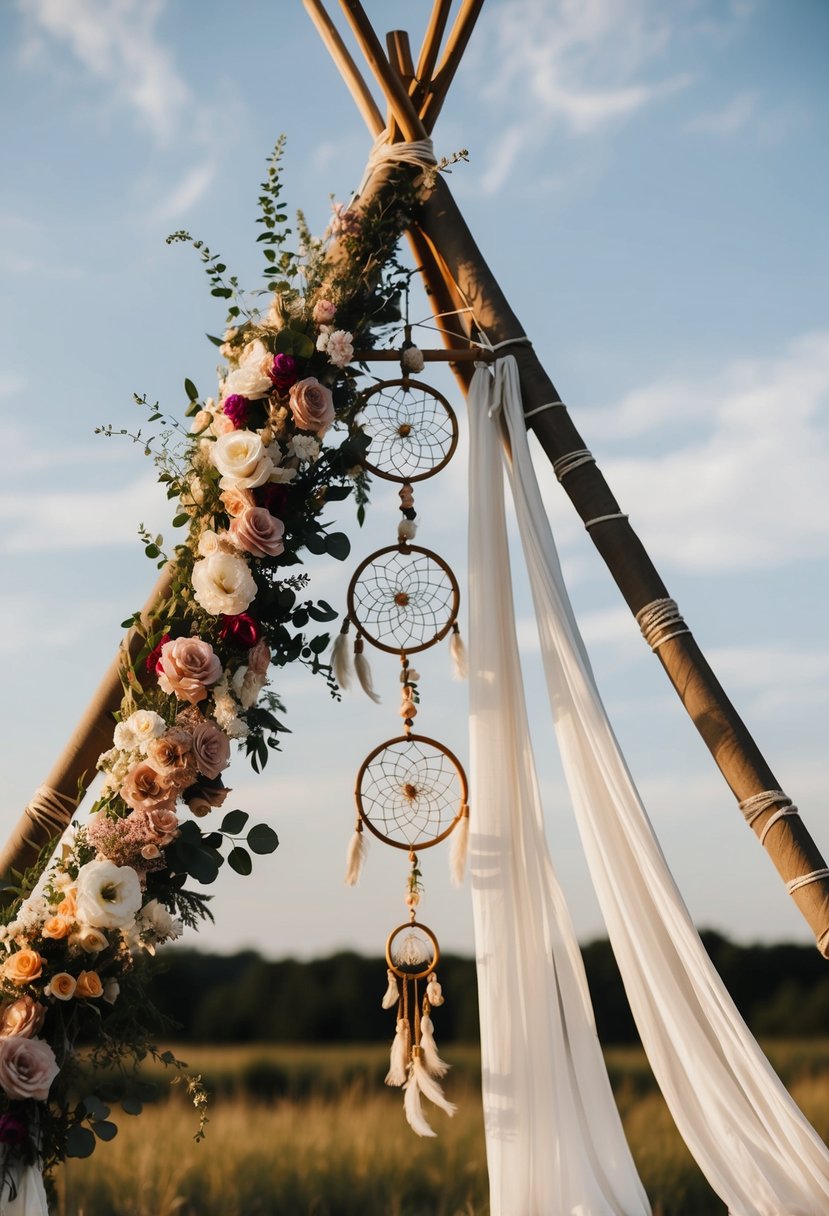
649,183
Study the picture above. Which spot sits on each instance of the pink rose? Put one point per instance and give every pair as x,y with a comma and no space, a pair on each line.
163,825
312,405
258,532
145,789
27,1067
324,312
23,1017
211,749
187,668
172,757
259,658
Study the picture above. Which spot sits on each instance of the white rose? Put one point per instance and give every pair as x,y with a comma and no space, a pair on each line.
250,379
241,458
156,919
108,896
305,447
340,348
223,583
90,940
138,729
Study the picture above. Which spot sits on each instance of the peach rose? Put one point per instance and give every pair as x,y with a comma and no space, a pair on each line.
324,312
312,405
237,501
211,748
62,985
258,532
56,928
89,985
27,1067
187,668
163,824
145,789
23,967
23,1017
172,756
259,657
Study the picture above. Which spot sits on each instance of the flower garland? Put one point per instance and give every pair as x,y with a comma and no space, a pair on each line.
251,478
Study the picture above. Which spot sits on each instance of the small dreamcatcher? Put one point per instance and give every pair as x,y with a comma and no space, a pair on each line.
411,791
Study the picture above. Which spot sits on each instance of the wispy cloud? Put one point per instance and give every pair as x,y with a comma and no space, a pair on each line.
185,194
115,40
727,120
76,519
734,473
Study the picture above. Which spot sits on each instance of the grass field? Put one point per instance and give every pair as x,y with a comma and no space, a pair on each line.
312,1131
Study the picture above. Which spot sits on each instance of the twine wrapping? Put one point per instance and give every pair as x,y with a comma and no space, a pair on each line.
660,621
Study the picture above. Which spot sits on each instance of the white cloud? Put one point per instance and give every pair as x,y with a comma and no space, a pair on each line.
728,120
115,40
185,194
69,519
734,471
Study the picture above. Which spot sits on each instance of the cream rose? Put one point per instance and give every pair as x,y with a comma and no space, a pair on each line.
312,405
62,985
91,941
250,379
23,1017
258,532
188,666
109,896
27,1067
223,584
241,459
138,729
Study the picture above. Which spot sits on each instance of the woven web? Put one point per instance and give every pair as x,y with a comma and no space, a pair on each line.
411,432
403,600
411,792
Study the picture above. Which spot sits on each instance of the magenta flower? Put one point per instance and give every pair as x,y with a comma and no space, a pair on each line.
13,1130
284,372
237,409
242,630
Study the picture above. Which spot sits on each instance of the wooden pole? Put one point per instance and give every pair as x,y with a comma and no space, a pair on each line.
430,50
455,47
54,804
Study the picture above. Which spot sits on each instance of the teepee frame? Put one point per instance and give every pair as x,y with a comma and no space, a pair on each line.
458,279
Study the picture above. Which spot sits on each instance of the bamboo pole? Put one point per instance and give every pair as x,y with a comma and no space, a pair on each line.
455,47
347,67
55,802
395,91
430,50
455,269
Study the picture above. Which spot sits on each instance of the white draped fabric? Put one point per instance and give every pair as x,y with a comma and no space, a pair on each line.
30,1199
752,1142
555,1143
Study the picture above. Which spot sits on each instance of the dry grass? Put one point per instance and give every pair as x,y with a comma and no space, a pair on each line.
333,1141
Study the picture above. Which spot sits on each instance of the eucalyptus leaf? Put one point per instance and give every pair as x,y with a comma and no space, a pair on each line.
234,822
262,839
239,860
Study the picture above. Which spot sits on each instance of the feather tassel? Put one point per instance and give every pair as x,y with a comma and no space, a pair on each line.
428,1049
460,850
412,1106
341,660
434,992
458,653
430,1088
399,1054
392,992
363,671
356,857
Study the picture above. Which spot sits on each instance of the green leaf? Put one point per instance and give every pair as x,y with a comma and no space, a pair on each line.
216,341
105,1130
95,1108
322,611
320,643
316,542
191,390
303,346
80,1142
239,860
152,551
131,1106
234,822
181,520
337,545
262,839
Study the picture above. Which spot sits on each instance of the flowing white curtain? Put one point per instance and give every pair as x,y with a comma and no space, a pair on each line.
752,1142
30,1199
555,1144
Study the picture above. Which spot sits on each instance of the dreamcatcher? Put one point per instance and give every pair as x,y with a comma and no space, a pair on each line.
411,791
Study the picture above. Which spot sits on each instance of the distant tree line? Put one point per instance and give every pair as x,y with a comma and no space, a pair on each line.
781,990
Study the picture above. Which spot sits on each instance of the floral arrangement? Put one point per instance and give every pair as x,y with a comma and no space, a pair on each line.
251,477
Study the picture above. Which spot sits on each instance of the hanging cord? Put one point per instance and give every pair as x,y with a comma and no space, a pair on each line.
660,620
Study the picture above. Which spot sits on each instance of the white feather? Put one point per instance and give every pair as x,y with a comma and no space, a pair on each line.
392,992
428,1049
363,670
412,1107
355,858
434,992
458,653
406,529
399,1058
460,850
341,661
430,1088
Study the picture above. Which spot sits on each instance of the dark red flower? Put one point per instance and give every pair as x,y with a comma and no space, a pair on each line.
13,1129
154,657
237,409
242,630
272,497
284,372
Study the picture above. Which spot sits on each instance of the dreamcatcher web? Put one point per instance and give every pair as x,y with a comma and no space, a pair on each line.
410,792
404,599
413,430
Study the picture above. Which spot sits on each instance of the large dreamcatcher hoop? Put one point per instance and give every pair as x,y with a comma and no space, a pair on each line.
412,427
403,599
411,792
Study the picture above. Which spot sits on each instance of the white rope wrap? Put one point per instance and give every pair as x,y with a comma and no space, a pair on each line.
539,409
660,621
571,460
775,818
51,809
757,803
603,519
805,879
420,152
